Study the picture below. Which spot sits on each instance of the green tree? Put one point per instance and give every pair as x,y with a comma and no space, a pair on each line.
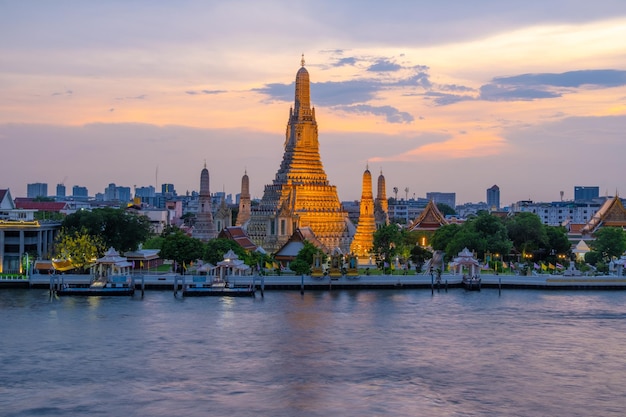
443,236
304,260
445,209
527,232
216,248
154,243
78,247
386,241
558,242
182,249
610,242
117,228
419,255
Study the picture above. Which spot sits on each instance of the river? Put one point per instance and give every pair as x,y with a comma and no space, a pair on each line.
327,353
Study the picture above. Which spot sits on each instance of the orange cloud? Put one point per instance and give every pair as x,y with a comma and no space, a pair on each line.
460,146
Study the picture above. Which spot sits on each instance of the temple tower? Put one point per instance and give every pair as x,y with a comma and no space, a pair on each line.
204,229
244,201
364,238
300,195
381,205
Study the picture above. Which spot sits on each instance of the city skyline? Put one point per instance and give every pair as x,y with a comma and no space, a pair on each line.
443,98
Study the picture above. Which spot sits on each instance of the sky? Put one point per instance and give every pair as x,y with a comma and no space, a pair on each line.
443,96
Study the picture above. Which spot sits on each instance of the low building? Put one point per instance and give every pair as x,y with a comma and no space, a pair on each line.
21,234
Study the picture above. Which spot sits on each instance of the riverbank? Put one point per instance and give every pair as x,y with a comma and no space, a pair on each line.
168,282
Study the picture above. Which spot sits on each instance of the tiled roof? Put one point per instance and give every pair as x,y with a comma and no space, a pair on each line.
239,235
28,204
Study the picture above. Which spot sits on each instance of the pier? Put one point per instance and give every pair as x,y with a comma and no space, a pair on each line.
301,283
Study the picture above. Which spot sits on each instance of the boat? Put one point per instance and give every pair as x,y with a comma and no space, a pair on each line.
471,283
113,286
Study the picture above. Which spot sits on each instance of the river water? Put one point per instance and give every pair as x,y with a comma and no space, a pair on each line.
337,353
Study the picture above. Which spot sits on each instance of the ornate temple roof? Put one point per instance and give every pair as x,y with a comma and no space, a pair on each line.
611,214
430,219
239,236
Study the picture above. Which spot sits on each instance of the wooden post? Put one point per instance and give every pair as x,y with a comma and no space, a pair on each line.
302,284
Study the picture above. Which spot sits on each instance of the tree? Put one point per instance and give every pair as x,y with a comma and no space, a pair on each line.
304,259
419,255
558,242
386,241
443,236
445,209
117,228
527,232
216,248
78,247
182,249
610,242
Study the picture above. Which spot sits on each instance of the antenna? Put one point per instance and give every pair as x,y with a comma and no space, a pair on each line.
156,178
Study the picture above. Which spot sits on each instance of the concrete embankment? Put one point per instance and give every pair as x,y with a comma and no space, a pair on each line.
292,282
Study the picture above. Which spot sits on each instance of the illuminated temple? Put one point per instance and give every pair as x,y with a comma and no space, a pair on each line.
300,195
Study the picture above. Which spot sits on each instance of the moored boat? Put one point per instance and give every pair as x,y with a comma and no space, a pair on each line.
471,283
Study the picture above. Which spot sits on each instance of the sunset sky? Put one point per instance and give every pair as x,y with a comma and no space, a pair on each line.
444,96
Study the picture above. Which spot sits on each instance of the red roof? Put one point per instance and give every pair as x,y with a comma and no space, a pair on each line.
237,234
28,204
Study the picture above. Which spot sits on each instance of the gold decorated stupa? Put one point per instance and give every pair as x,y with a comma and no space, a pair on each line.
364,237
300,195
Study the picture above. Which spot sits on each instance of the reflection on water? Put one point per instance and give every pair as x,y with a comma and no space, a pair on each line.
348,353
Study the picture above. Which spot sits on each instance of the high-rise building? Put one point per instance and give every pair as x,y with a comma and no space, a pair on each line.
448,199
300,195
586,193
117,193
364,238
204,229
37,189
60,191
493,197
168,190
80,193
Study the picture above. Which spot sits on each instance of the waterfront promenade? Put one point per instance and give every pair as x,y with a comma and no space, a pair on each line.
306,282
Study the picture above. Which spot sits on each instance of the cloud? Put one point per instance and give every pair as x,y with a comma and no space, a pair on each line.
345,61
528,87
383,65
572,79
139,97
392,115
462,146
193,92
64,93
357,90
495,92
